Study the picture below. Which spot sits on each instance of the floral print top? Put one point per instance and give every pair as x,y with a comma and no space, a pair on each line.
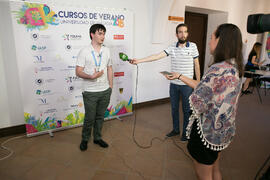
214,104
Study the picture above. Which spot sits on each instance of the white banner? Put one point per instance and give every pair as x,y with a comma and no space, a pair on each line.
48,40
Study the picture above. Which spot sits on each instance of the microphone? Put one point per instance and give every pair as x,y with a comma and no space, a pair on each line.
123,57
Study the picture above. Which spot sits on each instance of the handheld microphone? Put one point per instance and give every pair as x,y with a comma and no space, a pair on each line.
123,56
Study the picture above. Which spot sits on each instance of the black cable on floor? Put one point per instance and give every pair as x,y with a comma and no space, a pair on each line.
264,164
135,121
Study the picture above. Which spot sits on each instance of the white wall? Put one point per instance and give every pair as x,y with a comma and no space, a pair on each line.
213,21
151,85
4,109
11,101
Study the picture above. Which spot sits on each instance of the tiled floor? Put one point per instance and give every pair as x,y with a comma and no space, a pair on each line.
59,158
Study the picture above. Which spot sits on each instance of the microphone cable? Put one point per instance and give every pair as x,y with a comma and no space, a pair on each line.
135,123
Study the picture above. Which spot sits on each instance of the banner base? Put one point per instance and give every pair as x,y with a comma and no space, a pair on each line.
50,132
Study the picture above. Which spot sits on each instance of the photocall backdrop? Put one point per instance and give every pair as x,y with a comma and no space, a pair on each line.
48,39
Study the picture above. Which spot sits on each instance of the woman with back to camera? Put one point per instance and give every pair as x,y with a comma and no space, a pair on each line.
252,64
214,102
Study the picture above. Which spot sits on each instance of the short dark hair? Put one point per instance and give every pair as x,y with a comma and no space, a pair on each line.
181,25
96,27
229,45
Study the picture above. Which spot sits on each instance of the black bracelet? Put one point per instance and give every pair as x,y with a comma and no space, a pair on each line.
179,76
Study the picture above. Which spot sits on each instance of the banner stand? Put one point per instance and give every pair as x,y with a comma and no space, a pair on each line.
51,131
48,39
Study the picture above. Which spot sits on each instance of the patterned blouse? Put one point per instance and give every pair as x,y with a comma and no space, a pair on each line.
214,104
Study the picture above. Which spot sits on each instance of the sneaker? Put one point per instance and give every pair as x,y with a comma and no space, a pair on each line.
83,145
101,143
183,138
172,133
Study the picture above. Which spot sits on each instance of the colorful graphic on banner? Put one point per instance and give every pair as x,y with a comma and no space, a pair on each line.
268,45
36,16
52,38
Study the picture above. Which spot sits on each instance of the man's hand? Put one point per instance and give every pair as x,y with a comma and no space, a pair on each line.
96,75
174,75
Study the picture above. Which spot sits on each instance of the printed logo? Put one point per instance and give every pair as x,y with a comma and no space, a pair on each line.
39,81
118,22
69,68
36,16
44,92
38,92
71,79
38,48
79,96
77,105
72,47
43,101
71,88
52,110
68,47
36,36
38,59
118,37
43,69
118,74
70,37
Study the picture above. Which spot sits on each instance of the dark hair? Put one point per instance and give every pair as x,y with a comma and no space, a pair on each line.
96,27
229,45
180,25
255,49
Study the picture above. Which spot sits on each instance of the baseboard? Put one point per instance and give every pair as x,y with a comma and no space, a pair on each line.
151,103
9,131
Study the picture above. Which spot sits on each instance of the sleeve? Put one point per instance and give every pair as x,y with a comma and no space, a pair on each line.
168,51
81,59
202,97
195,52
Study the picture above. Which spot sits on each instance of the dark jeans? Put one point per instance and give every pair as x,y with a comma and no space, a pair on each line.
175,92
95,105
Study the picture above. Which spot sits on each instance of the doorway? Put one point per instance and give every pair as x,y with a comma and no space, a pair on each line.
197,29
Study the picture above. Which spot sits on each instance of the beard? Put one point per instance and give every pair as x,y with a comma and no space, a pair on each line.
182,41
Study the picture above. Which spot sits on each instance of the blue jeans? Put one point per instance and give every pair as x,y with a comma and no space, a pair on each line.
175,92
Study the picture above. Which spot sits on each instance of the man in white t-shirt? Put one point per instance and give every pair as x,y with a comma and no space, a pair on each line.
94,66
184,59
